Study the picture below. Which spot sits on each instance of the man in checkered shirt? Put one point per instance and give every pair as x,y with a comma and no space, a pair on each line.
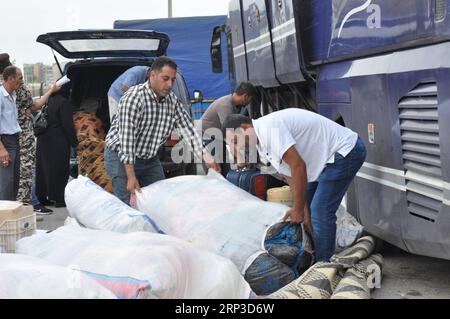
148,113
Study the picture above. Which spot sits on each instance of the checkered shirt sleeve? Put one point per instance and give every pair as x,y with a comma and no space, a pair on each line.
130,110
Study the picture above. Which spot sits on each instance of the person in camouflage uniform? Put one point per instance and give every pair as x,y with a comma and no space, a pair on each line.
27,140
25,107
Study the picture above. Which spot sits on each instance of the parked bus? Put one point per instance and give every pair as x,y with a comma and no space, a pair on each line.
379,67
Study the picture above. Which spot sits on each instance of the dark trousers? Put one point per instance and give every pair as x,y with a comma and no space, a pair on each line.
10,175
222,158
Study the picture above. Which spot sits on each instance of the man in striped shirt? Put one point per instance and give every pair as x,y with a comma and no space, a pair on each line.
148,113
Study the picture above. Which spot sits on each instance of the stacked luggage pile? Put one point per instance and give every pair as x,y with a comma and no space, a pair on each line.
188,237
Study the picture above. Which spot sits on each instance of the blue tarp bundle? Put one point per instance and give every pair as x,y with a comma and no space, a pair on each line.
190,40
289,255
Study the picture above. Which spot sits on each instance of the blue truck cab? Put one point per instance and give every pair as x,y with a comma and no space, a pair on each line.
379,67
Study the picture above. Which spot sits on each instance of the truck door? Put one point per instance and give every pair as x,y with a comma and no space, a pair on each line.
238,40
261,67
285,38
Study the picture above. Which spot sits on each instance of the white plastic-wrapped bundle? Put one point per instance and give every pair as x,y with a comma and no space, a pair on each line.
348,229
140,265
26,277
95,208
217,216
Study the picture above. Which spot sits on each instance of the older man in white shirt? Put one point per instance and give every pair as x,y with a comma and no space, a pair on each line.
9,134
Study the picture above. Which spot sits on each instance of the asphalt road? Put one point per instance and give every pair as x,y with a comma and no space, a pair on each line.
405,276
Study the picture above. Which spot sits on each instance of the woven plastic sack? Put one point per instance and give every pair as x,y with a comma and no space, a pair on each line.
95,208
215,215
26,277
139,265
348,230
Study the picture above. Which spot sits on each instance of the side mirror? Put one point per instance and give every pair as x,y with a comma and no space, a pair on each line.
198,96
216,49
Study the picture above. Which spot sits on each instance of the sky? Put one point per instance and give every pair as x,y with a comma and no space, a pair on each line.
27,19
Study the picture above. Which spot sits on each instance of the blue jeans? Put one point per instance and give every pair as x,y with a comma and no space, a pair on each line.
325,196
147,172
34,198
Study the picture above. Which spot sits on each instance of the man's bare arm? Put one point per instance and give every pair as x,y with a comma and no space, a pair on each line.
298,184
41,102
133,183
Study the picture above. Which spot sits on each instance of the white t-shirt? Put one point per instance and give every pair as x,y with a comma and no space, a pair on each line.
315,137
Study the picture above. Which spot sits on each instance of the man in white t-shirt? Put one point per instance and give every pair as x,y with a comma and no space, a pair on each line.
318,157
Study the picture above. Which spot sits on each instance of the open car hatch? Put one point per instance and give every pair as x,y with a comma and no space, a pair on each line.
88,44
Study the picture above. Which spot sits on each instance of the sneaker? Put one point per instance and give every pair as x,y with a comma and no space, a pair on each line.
46,202
42,210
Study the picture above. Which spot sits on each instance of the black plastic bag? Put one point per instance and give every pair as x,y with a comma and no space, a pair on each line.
267,274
